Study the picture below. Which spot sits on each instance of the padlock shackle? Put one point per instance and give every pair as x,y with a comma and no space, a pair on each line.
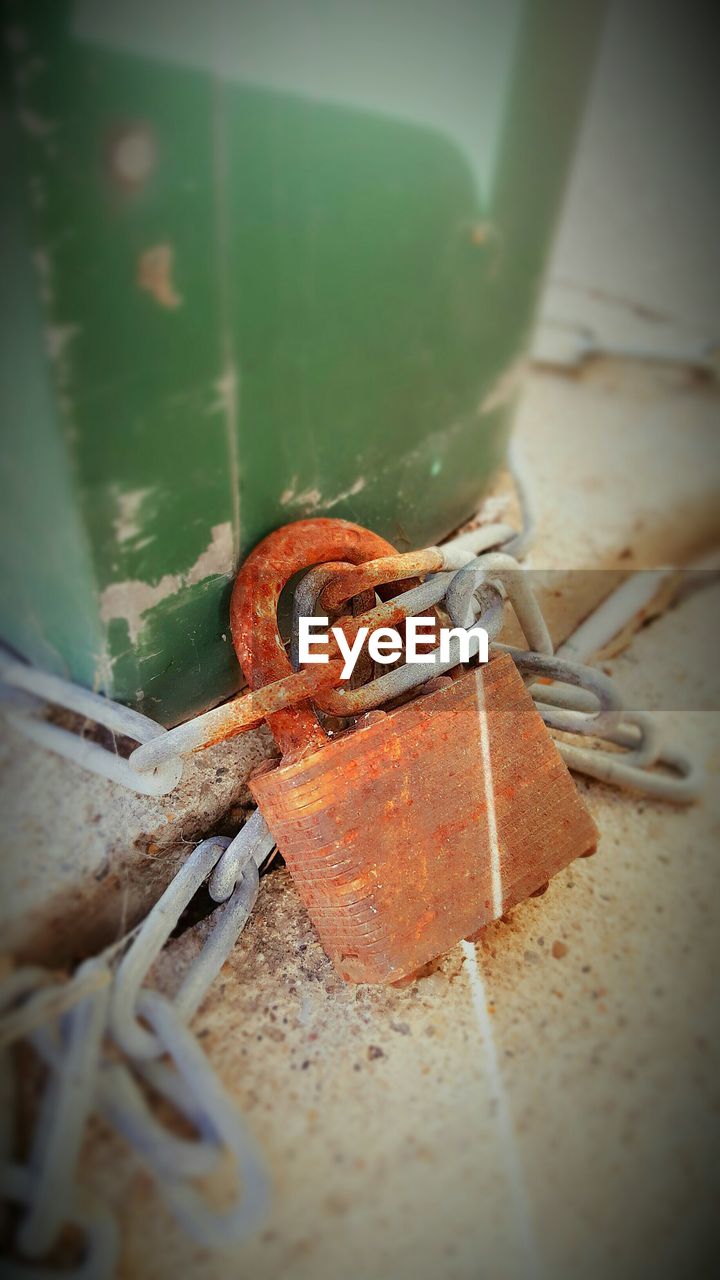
254,609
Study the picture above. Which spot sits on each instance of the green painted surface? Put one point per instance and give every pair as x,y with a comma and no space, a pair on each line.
260,304
49,605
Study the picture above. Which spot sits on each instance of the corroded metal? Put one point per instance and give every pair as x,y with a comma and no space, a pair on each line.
422,825
254,607
351,582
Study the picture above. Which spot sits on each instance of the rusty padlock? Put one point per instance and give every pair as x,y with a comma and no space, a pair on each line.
412,832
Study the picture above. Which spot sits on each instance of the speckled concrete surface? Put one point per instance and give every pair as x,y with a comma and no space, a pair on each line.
545,1103
624,459
83,859
638,451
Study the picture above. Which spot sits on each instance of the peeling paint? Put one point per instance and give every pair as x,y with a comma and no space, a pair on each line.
357,487
126,523
288,495
481,233
131,600
57,338
228,389
312,499
217,560
155,268
103,675
43,267
133,155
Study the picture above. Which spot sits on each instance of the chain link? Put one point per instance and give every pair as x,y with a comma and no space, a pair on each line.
106,1030
27,692
155,767
469,596
115,1013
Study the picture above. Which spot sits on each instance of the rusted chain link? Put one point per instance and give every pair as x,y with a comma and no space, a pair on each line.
466,591
401,679
251,708
412,564
155,766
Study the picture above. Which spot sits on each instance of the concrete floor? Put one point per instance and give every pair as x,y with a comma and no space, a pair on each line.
546,1102
622,461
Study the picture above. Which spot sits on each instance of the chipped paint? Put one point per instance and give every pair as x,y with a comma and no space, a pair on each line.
357,487
481,233
154,275
133,156
43,267
217,560
288,495
57,338
126,523
131,600
103,672
57,341
228,389
312,499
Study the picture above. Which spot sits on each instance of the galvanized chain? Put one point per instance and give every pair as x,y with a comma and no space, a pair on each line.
155,766
469,577
117,1032
37,690
644,764
581,700
106,1032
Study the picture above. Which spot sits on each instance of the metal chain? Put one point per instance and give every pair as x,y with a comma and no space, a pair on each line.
81,1048
401,679
155,766
470,588
581,699
95,1223
647,766
106,1030
39,690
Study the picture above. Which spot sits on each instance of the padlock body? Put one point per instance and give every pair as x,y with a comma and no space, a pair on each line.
413,832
